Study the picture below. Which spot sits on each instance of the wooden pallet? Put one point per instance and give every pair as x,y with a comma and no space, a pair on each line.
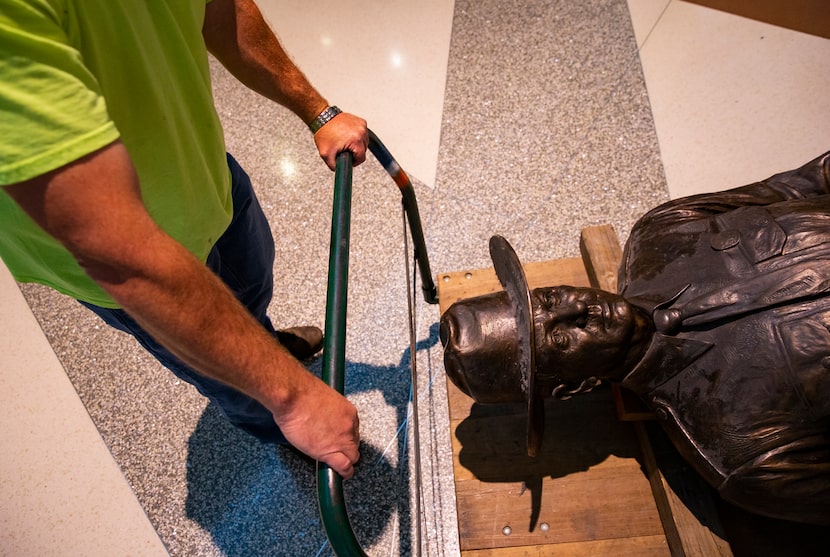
595,489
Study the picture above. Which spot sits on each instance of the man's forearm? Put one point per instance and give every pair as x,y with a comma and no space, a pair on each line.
235,32
155,279
242,41
187,309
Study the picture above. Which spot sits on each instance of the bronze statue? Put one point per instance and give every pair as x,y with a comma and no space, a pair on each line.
721,325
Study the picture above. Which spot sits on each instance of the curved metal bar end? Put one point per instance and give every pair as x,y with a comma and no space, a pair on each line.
333,513
430,294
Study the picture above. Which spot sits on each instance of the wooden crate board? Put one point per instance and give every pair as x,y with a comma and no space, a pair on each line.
587,486
654,546
478,282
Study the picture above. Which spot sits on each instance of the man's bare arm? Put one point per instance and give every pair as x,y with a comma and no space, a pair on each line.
93,207
242,41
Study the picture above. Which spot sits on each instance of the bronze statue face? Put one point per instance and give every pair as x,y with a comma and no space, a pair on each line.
586,332
523,346
579,333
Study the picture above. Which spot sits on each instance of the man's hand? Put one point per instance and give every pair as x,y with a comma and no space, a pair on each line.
322,424
344,132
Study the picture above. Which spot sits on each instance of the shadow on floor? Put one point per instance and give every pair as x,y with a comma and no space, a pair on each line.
258,499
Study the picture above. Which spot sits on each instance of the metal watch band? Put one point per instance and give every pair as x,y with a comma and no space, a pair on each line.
323,117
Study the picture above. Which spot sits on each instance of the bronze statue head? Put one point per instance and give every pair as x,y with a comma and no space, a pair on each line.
524,346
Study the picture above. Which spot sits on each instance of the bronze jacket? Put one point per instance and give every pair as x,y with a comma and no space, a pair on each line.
738,372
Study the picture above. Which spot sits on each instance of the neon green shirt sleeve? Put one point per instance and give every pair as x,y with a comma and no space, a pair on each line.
53,110
75,75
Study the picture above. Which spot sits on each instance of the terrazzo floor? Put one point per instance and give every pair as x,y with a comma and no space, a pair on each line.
544,126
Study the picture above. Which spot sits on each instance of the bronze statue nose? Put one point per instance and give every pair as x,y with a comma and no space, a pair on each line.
571,312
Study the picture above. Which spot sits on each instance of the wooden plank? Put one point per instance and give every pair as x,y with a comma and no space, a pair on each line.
629,406
601,255
586,484
644,546
478,282
687,506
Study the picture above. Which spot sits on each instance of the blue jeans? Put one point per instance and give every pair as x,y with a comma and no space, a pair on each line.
243,258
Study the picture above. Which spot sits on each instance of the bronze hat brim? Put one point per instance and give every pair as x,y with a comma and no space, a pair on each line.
512,278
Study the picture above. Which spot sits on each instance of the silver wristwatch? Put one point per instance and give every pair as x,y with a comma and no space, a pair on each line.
323,118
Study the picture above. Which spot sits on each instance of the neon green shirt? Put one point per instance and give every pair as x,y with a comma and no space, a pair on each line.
75,75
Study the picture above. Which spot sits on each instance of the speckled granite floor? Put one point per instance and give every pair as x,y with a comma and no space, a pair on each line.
546,129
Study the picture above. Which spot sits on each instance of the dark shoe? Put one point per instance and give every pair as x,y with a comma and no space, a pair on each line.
302,342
